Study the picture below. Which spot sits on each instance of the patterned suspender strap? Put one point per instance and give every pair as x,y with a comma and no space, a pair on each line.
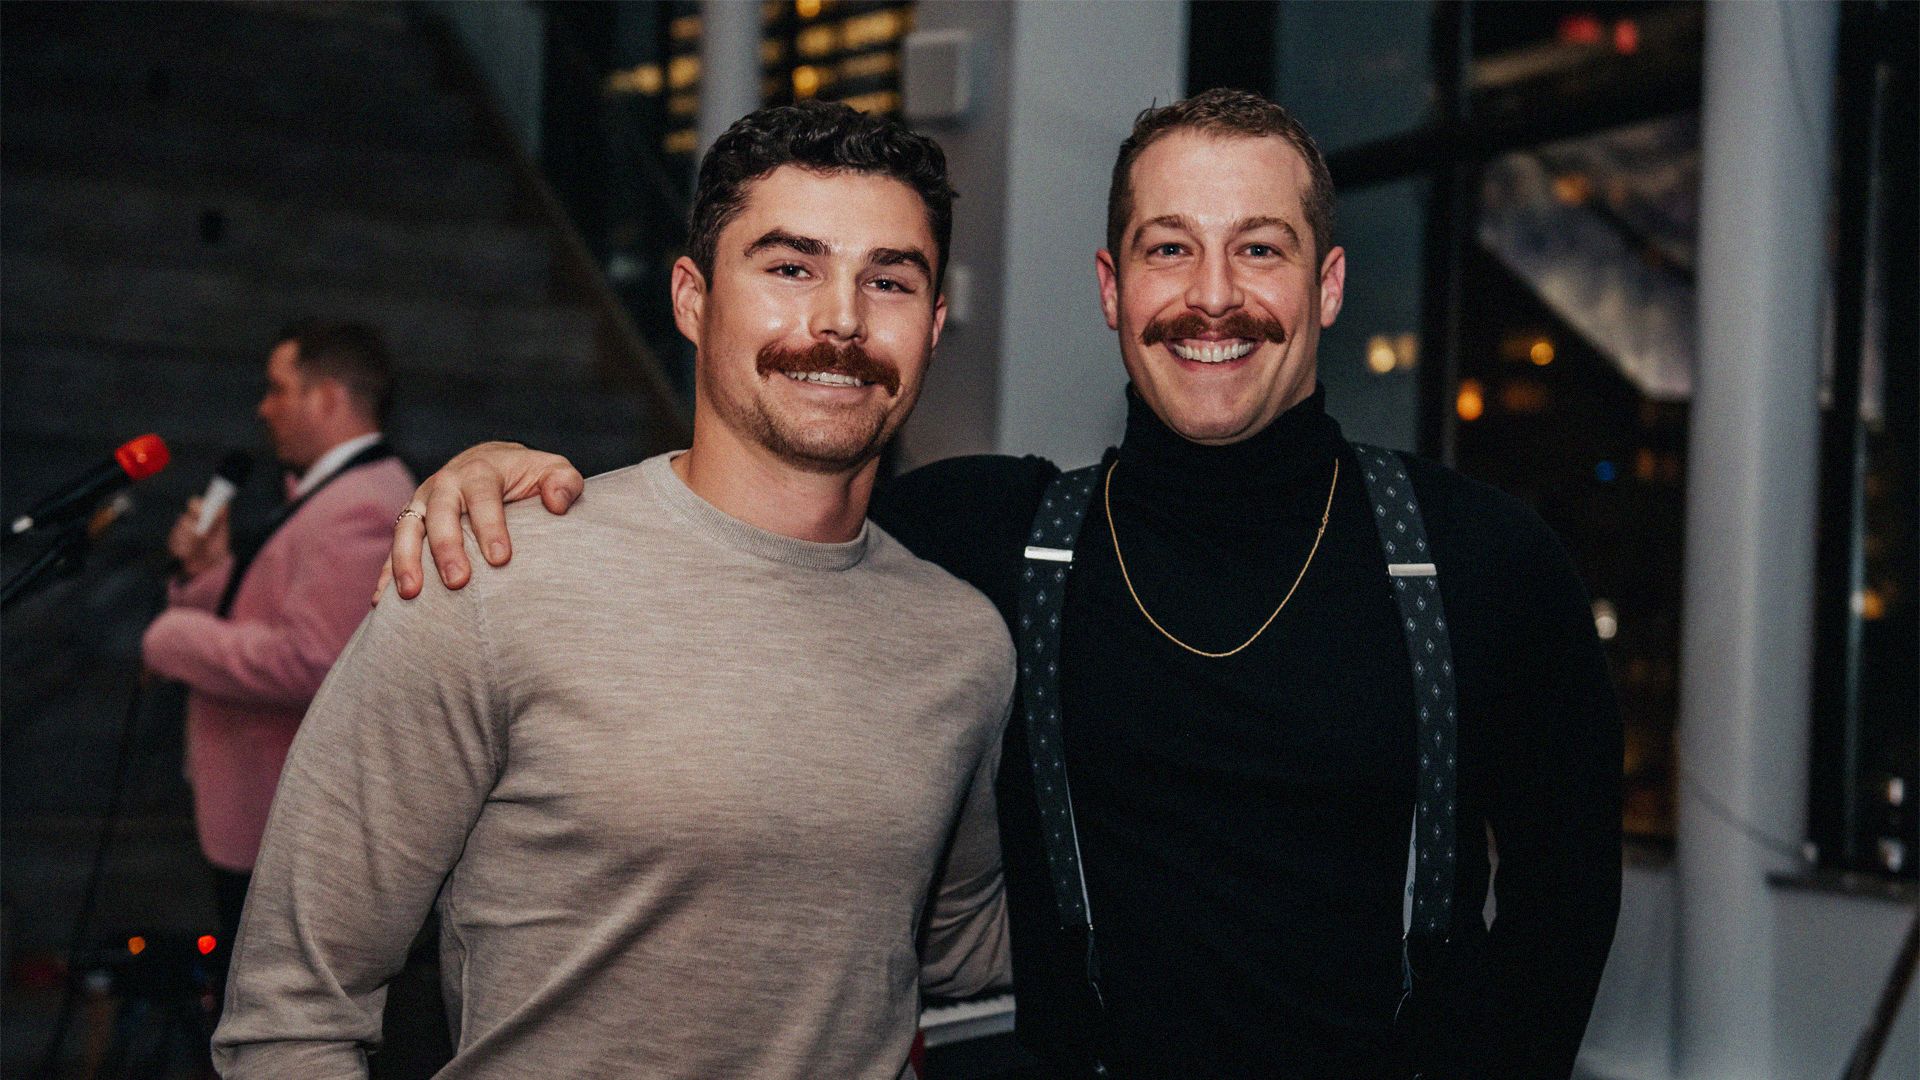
1416,587
1043,588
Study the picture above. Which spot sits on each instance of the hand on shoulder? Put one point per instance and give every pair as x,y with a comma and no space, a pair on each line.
475,486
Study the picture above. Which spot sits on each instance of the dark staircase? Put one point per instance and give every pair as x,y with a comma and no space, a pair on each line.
177,182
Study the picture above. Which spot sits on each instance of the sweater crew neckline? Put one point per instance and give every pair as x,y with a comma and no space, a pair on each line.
729,531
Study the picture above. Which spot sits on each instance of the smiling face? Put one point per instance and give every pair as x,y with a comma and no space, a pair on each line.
1215,290
814,331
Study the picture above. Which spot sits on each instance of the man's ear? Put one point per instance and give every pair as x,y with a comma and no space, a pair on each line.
335,399
689,291
939,320
1109,275
1333,285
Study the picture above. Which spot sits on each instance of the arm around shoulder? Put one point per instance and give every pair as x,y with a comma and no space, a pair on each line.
970,515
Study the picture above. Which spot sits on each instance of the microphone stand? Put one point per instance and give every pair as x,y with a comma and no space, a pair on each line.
62,558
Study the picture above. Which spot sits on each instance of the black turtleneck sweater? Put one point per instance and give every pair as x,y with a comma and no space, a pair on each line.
1244,821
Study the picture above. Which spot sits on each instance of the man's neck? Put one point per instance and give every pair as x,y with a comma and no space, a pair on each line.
333,457
752,484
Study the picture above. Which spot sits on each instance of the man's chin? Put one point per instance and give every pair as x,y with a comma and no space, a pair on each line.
1210,424
826,461
824,451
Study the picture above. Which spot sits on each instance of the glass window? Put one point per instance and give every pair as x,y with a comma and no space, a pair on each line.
1575,367
1866,708
1518,186
1356,72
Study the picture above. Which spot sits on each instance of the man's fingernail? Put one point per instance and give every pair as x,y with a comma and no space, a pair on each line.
496,551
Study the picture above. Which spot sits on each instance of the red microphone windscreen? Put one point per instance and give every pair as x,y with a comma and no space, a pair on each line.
142,457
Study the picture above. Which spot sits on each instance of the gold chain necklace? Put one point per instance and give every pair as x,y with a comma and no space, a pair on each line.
1107,497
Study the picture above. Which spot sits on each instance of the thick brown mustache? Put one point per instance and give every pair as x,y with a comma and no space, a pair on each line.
820,356
1240,324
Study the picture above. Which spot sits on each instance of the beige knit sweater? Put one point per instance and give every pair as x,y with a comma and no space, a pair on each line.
681,790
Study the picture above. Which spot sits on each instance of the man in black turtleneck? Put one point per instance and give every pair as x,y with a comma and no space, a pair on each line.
1238,709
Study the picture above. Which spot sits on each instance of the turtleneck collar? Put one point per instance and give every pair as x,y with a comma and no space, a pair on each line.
1267,470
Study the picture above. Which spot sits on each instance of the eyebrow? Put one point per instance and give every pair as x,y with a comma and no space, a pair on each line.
901,257
1247,225
780,238
1171,221
1244,225
819,249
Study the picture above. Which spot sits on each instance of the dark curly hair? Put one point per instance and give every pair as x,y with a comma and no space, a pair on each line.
1223,112
822,137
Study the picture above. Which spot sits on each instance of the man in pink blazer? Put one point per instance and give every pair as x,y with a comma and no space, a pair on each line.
255,620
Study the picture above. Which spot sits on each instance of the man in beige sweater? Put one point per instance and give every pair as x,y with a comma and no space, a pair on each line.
701,784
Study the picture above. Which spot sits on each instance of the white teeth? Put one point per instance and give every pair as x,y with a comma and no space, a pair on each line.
824,378
1213,352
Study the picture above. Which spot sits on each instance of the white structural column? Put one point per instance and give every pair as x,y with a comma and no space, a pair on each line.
1074,102
1751,476
1027,365
729,65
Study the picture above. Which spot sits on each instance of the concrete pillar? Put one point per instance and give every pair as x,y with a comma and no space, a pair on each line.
1028,365
729,65
1751,476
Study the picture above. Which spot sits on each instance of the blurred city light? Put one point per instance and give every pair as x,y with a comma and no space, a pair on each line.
1581,29
1869,604
644,79
1524,396
1573,189
1392,352
1606,620
1471,402
1380,358
1626,37
683,71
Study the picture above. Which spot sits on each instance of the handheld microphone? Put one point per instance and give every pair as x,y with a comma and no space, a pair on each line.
109,512
233,471
137,459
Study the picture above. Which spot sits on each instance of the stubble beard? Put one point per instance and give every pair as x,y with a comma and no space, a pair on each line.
846,437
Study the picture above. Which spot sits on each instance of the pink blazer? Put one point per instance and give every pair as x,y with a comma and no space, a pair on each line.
251,676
